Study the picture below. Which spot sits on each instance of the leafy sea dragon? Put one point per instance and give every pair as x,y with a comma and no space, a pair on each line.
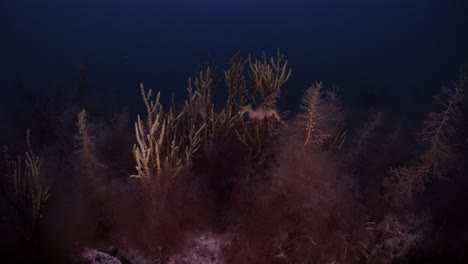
260,112
264,110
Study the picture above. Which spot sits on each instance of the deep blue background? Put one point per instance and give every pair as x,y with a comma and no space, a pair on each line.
393,45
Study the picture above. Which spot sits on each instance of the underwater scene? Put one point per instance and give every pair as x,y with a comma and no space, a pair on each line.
151,132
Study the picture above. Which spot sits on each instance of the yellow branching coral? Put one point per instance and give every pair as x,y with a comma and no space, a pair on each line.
170,140
268,76
236,84
158,145
29,194
200,109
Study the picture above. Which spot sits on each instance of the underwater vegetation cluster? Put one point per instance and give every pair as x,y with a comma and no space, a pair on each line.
195,181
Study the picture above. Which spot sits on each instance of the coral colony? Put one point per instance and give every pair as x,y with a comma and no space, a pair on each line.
197,182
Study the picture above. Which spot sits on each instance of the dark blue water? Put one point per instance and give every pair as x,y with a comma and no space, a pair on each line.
393,45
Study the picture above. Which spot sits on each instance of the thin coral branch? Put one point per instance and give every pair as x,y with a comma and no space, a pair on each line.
29,193
85,145
439,128
365,132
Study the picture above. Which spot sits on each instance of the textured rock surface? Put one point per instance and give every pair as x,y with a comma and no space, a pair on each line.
93,256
